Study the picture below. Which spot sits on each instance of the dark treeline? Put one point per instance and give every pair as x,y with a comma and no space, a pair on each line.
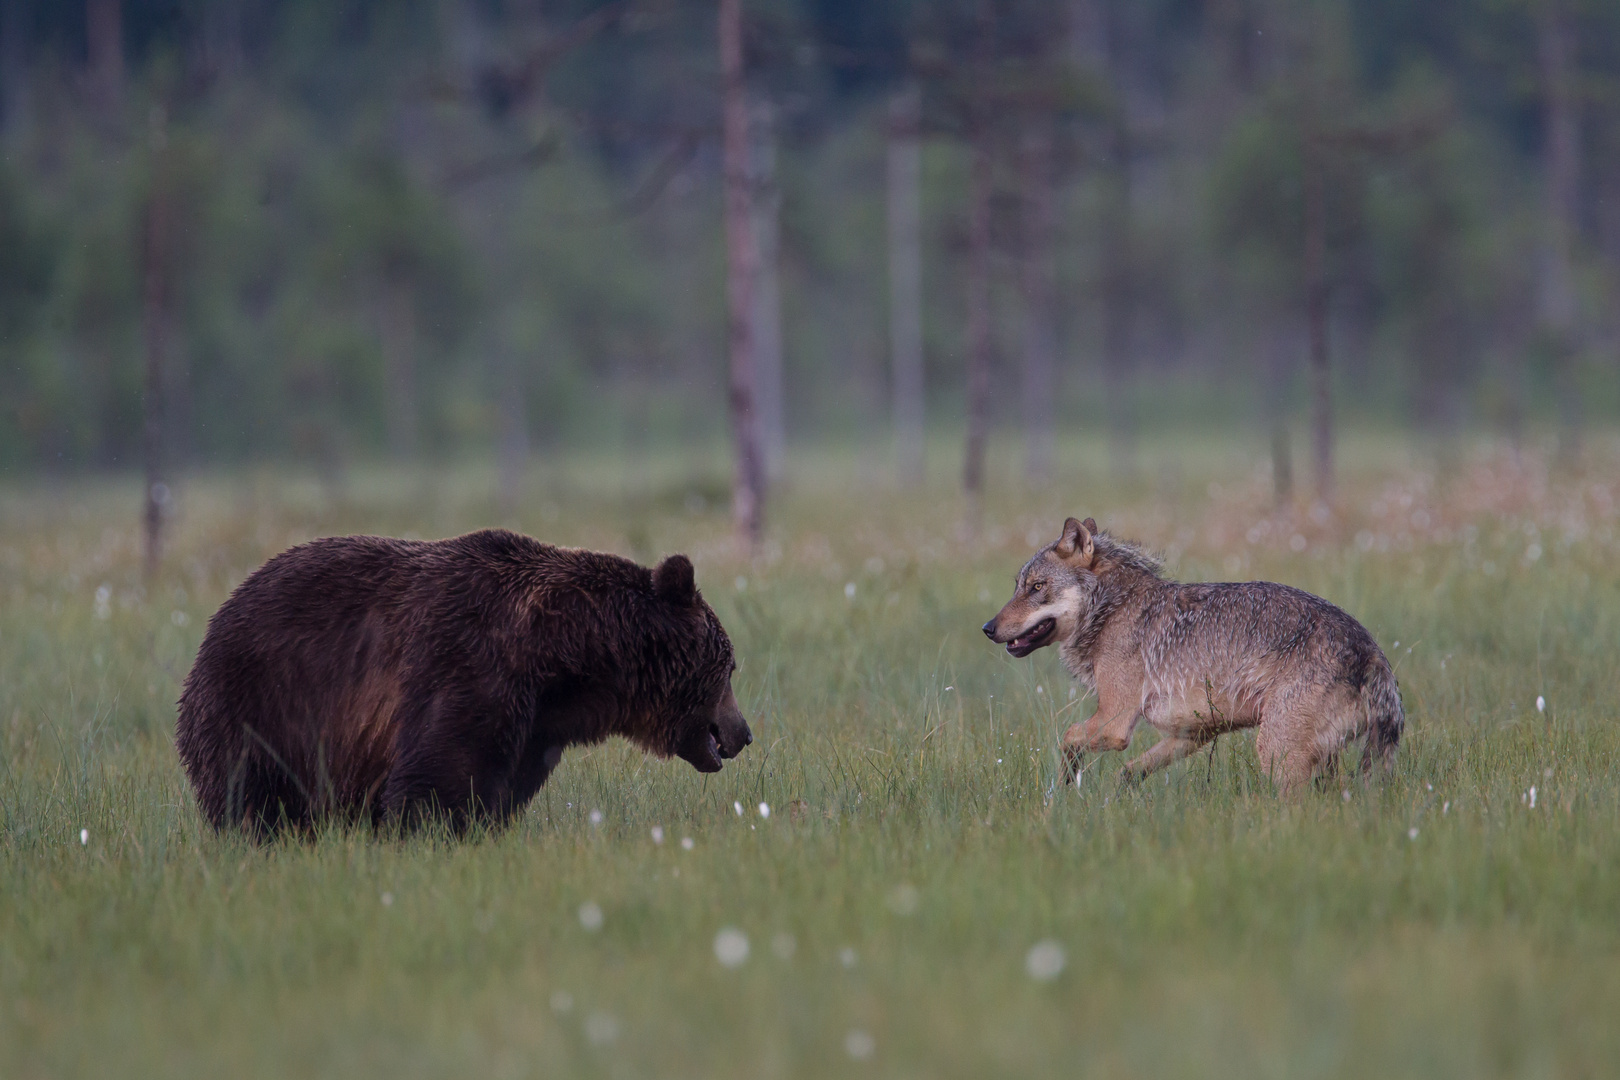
321,230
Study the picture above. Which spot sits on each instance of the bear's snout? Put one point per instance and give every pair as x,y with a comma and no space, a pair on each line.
730,729
707,746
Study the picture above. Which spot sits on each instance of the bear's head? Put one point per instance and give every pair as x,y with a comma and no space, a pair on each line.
701,722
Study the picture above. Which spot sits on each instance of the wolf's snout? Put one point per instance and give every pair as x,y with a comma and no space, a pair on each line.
989,629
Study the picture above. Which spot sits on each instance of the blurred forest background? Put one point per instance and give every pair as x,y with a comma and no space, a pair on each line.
331,231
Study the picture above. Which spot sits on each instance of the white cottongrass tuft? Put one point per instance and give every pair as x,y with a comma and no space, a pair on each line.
658,834
1411,834
859,1044
387,899
849,590
562,1002
1044,961
903,899
601,1028
1541,704
596,817
686,843
590,916
731,947
1532,796
847,957
784,945
103,602
764,809
84,836
737,806
742,583
1446,809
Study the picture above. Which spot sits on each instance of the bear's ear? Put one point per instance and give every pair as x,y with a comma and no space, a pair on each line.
673,581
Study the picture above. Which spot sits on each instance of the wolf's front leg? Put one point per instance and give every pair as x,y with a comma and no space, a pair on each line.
1169,749
1107,729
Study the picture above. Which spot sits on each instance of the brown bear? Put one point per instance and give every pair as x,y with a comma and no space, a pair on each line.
388,680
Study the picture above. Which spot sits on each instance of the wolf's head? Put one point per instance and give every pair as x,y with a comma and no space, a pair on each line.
1052,594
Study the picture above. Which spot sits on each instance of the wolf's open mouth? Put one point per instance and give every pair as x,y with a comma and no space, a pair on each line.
1025,644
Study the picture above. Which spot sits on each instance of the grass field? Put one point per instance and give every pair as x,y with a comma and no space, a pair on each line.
1444,923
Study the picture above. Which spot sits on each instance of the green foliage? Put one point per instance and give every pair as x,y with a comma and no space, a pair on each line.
554,215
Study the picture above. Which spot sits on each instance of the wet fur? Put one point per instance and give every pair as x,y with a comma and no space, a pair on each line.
1197,660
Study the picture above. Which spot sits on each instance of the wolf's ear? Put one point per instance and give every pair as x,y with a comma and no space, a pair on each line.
1077,545
673,581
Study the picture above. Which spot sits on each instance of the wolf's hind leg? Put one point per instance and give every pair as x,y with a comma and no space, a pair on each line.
1289,761
1166,751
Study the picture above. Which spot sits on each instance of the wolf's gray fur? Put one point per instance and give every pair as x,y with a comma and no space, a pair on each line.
1197,660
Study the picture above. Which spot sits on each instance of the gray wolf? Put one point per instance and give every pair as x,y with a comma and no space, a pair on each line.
367,677
1198,660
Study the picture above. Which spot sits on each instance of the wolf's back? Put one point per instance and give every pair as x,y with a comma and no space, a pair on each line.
1386,718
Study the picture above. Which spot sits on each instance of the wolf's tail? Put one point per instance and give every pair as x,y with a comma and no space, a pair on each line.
1386,719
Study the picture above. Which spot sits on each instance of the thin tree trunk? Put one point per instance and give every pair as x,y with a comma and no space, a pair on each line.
1561,150
742,266
905,280
978,314
155,331
1036,278
104,40
13,64
1119,287
222,38
767,203
1277,377
1316,302
512,451
396,329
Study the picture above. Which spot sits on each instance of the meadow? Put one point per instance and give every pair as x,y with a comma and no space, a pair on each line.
925,897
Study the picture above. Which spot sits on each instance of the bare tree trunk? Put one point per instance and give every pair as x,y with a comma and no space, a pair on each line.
512,450
222,38
13,64
104,39
155,331
1561,150
978,313
1036,279
1276,375
396,330
767,204
905,280
742,266
1316,300
1119,278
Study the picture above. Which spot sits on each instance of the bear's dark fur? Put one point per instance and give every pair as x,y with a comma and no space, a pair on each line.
380,679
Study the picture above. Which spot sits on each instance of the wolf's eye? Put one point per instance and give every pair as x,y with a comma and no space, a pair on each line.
1037,586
